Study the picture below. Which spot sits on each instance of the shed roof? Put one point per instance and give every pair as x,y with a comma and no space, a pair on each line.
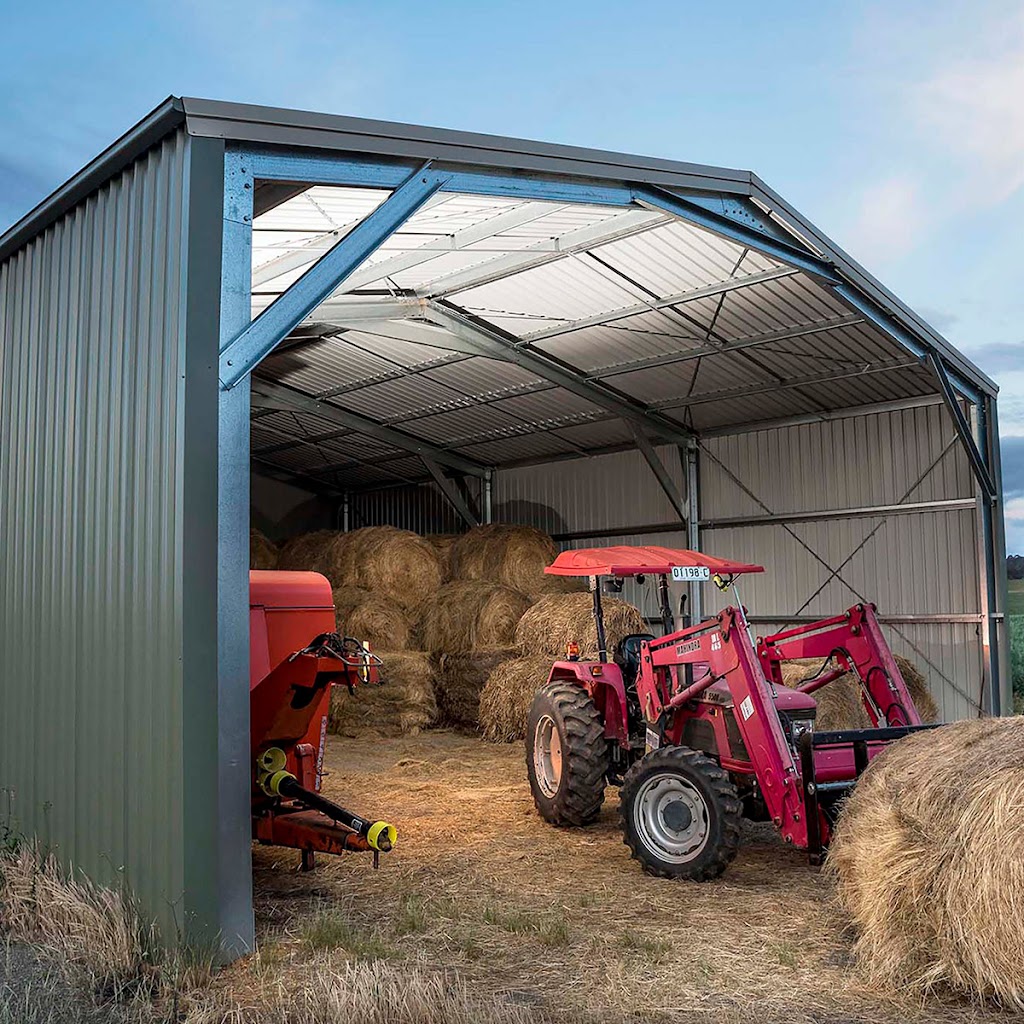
503,330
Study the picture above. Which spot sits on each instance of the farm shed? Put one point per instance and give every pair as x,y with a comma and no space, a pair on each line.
384,323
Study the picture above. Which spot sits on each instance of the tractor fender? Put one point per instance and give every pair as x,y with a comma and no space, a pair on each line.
603,681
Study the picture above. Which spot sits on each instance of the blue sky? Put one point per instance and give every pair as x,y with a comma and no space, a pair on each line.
896,127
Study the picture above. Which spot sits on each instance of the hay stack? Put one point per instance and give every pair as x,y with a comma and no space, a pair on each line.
461,676
929,861
309,552
557,619
500,553
402,705
442,543
263,553
372,618
507,695
470,614
396,563
839,702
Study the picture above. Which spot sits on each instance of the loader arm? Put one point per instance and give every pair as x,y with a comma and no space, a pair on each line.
723,645
855,642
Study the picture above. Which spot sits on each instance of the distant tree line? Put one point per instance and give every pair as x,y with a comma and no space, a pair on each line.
1015,567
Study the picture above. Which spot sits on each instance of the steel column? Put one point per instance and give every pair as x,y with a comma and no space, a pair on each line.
450,491
692,465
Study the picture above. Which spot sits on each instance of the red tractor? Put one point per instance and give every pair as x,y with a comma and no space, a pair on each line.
696,727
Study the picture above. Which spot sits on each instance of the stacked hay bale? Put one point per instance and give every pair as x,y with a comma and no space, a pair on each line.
541,636
263,553
500,553
308,552
928,859
461,677
443,543
402,704
839,702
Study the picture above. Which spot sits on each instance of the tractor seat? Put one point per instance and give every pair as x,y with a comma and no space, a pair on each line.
627,655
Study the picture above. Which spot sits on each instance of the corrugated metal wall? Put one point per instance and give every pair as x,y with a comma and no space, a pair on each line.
93,741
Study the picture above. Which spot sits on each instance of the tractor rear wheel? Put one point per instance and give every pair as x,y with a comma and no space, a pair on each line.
680,814
567,755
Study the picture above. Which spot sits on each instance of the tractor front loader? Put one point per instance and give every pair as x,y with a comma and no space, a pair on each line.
696,727
295,658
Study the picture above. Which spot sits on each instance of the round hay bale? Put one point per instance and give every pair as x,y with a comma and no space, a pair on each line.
442,543
557,619
372,618
309,552
403,703
928,859
461,676
263,553
839,703
470,614
501,553
397,563
507,695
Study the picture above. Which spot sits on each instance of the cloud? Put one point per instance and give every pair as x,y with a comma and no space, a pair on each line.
999,357
890,219
971,108
1012,451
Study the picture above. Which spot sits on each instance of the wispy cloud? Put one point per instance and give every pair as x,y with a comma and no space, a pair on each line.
890,219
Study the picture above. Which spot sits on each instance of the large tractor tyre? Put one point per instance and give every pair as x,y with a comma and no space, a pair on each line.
567,755
680,815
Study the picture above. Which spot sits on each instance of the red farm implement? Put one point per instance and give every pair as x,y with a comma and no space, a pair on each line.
696,726
295,658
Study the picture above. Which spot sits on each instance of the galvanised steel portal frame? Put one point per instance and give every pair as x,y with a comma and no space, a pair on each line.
245,342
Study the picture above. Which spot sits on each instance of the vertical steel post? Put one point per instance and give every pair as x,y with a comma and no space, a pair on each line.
346,512
488,483
693,523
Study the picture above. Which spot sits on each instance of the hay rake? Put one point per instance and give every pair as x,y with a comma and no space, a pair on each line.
696,726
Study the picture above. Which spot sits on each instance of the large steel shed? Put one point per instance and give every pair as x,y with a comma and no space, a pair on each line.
428,328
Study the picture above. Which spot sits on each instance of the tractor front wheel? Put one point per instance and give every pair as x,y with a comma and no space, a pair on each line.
566,754
680,814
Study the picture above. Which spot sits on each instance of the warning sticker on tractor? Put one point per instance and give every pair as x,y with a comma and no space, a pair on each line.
653,740
746,708
689,573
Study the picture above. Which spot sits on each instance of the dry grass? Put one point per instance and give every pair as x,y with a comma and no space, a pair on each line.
263,553
470,614
403,703
500,553
461,677
507,695
929,859
557,619
562,922
372,618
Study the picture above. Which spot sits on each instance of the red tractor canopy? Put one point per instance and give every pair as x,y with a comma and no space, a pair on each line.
650,560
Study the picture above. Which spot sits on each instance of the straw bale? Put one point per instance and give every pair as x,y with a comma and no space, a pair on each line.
928,860
309,552
557,619
397,563
263,553
461,676
469,614
403,703
507,695
502,553
372,618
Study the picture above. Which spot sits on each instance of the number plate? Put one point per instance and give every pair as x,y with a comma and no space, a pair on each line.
690,573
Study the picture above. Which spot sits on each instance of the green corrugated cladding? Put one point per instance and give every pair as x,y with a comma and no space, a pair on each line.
108,701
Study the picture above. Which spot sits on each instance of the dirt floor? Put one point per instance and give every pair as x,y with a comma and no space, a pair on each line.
560,921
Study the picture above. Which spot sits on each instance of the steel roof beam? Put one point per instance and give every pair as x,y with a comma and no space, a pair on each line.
670,358
241,355
299,401
708,291
451,492
495,343
612,229
667,484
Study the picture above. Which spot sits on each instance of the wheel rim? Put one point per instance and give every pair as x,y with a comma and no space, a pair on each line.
547,756
671,818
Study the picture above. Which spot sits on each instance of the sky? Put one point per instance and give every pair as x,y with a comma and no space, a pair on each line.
897,128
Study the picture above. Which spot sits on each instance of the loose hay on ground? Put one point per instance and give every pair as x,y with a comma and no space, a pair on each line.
263,553
403,704
557,619
929,861
501,553
397,563
372,618
461,676
507,695
470,614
